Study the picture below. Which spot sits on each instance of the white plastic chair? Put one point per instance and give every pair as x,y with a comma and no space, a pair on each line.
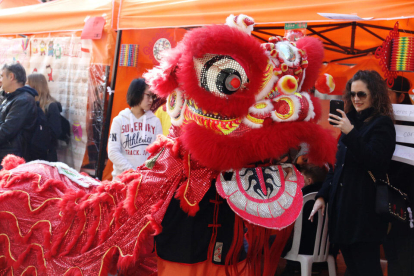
321,249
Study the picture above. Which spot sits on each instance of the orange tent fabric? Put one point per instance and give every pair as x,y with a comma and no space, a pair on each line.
55,16
146,40
6,4
137,14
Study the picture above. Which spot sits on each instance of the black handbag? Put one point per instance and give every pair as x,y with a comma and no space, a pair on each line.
390,202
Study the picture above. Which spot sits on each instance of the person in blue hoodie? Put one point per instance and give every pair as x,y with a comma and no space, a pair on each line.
18,112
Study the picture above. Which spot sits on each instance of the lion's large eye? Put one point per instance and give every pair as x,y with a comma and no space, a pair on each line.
221,75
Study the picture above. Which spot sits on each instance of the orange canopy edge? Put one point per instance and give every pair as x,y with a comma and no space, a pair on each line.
141,14
6,4
55,16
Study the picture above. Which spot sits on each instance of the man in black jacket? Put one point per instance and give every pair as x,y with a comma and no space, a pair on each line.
17,112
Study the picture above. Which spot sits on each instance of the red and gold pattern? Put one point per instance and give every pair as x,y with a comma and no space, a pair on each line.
219,126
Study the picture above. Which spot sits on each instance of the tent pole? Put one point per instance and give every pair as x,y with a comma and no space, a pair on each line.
266,33
262,39
353,37
105,128
327,39
371,32
333,29
340,59
386,28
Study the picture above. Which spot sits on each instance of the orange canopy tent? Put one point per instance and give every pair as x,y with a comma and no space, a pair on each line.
135,14
6,4
143,22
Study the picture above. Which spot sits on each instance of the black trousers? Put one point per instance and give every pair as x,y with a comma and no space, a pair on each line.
400,255
362,259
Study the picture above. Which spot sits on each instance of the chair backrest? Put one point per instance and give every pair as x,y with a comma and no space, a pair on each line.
321,248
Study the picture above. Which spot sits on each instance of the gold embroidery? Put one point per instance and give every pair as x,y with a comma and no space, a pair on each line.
30,206
72,268
10,254
24,271
18,227
188,183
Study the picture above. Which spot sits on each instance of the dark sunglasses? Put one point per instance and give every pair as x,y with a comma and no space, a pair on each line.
360,94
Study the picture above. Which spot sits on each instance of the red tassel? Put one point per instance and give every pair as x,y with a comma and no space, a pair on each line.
129,202
192,209
233,255
77,233
92,231
107,261
39,257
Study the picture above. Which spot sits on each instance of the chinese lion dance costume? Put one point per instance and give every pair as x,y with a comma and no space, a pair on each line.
211,194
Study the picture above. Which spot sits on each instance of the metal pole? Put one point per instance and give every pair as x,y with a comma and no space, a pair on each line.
105,128
104,105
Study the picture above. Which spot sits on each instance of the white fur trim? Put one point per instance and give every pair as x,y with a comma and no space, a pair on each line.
251,124
178,103
261,111
179,108
178,122
296,106
240,24
311,111
302,80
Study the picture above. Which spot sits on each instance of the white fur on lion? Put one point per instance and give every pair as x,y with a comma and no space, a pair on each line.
240,24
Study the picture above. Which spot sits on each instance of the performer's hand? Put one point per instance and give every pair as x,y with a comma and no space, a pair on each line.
319,204
289,172
342,123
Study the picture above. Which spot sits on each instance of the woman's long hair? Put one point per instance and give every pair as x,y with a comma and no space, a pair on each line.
38,82
378,89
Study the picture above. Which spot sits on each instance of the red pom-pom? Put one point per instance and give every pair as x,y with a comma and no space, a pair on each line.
325,84
12,161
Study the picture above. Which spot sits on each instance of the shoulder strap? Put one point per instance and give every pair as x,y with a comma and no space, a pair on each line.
373,177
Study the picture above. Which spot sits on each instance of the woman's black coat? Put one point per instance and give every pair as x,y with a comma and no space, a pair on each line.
348,188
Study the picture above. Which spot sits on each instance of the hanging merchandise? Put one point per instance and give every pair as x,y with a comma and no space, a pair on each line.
396,54
402,54
129,55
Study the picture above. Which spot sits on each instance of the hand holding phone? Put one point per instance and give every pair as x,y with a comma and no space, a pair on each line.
333,106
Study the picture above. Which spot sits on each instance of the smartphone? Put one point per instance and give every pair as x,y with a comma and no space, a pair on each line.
333,106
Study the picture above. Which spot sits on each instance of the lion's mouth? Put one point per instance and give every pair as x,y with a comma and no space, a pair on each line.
220,124
199,111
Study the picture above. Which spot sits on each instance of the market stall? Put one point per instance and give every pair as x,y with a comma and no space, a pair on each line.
46,38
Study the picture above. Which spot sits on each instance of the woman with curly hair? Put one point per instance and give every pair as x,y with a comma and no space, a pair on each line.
366,144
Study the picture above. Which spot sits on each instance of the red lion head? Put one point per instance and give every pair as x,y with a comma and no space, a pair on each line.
239,102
